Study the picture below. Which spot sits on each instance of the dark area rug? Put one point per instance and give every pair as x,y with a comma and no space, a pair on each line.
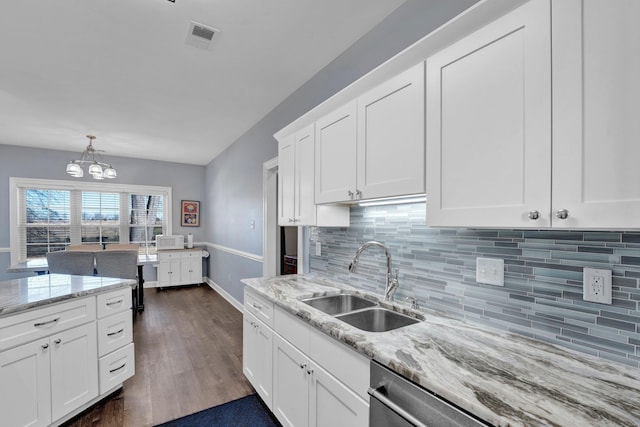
247,411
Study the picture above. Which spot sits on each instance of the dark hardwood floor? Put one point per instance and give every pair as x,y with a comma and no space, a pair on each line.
188,344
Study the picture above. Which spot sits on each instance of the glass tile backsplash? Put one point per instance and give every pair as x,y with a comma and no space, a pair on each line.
542,293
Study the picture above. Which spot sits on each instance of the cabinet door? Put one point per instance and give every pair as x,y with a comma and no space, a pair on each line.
596,101
305,207
391,142
286,181
336,155
489,124
257,352
191,268
290,384
25,388
74,369
331,404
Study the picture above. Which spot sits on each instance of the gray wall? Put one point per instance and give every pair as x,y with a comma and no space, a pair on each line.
542,295
187,182
234,178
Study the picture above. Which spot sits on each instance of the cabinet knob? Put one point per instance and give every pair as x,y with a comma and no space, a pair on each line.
350,193
358,194
302,365
45,346
534,215
291,220
57,341
562,214
309,371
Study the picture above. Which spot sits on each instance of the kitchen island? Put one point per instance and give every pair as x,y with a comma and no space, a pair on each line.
66,342
502,378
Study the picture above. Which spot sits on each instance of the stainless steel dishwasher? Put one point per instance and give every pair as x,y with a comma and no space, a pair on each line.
397,402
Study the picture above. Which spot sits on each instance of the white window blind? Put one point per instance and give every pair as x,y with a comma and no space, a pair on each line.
48,215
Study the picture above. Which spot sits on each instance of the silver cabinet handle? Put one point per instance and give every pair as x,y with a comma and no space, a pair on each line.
118,368
48,322
256,306
57,341
350,193
534,215
562,214
309,371
395,408
358,194
115,333
291,220
302,365
120,301
45,346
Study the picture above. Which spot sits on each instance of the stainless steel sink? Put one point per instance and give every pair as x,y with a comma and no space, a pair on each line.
377,319
337,304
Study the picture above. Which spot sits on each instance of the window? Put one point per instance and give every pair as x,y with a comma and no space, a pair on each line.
48,215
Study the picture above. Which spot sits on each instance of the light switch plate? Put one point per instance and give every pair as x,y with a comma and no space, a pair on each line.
490,271
596,285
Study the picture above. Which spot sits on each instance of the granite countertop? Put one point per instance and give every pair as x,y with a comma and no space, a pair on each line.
505,379
31,292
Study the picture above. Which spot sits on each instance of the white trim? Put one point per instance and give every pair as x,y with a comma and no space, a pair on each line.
237,252
270,217
224,294
5,250
17,182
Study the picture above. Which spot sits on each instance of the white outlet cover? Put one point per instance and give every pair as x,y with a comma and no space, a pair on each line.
318,249
596,285
490,271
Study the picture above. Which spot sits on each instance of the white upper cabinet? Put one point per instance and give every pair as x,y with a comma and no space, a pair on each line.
374,147
336,155
596,110
489,124
391,137
296,181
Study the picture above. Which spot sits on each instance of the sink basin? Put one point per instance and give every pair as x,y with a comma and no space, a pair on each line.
377,319
337,304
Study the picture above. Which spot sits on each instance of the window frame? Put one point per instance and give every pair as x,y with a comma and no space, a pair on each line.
17,183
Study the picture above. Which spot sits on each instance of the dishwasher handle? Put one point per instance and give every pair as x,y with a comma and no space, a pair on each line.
395,408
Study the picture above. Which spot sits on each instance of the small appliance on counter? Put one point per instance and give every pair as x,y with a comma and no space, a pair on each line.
169,242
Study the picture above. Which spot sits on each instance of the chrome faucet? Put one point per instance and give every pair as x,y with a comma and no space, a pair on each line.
391,283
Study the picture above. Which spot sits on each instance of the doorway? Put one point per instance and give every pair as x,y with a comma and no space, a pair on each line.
282,247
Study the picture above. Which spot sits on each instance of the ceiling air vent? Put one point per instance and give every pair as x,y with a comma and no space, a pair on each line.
200,35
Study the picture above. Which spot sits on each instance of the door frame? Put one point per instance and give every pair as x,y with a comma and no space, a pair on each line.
270,229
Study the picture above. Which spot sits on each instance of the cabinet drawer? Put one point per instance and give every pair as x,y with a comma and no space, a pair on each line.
42,322
259,306
116,367
191,254
292,329
163,255
114,302
114,332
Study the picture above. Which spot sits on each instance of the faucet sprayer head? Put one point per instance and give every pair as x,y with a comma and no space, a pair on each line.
353,265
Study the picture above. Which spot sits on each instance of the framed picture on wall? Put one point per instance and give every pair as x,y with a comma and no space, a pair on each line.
190,213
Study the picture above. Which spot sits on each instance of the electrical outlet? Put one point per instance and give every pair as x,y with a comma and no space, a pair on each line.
490,271
318,249
596,285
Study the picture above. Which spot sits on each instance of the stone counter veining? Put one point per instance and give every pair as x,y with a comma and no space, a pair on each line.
503,378
36,291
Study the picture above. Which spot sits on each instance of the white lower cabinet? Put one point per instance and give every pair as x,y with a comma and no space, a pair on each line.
53,359
257,345
179,267
304,394
305,377
44,380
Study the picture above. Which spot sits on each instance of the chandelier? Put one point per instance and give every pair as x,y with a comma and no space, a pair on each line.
97,168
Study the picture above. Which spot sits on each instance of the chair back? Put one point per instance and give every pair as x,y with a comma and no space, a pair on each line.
114,263
71,262
96,247
122,247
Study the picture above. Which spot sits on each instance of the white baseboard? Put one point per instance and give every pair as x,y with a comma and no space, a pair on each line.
150,284
231,300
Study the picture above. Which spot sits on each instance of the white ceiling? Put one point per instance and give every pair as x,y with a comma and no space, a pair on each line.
121,70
